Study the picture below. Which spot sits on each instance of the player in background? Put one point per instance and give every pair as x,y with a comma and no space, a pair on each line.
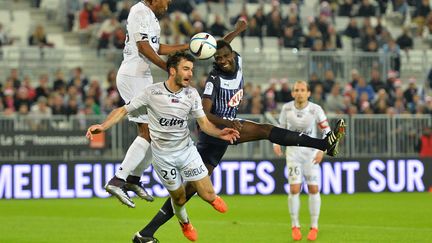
142,48
303,163
222,95
176,158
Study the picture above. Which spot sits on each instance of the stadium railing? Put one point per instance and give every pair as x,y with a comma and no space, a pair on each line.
53,138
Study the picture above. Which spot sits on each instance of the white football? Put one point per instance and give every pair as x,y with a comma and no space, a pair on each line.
202,45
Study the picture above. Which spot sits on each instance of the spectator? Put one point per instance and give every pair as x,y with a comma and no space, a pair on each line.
333,39
38,38
352,29
124,12
376,83
106,32
41,108
366,9
87,19
112,5
290,40
30,89
363,87
329,81
334,102
392,48
58,107
346,8
405,41
198,24
4,36
72,7
59,84
424,145
218,28
274,23
284,94
14,76
411,91
72,107
420,15
79,80
42,89
318,95
400,9
21,97
104,13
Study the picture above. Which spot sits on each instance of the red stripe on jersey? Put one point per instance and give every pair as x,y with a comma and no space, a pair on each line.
323,124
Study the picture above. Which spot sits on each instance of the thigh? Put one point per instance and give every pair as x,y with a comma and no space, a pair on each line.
311,173
252,131
166,169
191,166
294,172
130,87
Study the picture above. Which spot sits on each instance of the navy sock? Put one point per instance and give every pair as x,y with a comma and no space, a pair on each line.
289,138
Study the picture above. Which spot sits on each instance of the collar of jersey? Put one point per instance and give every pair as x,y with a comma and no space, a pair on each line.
166,87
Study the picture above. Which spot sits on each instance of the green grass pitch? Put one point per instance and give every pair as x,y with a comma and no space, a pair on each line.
362,217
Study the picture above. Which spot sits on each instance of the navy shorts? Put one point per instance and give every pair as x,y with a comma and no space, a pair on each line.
211,153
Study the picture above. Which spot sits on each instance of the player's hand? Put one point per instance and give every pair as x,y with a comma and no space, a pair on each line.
318,157
241,24
236,124
229,134
94,129
277,149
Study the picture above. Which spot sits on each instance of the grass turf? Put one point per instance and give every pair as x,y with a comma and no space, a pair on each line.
363,217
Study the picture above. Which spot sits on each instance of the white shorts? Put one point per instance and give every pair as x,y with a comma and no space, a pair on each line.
306,169
130,87
174,167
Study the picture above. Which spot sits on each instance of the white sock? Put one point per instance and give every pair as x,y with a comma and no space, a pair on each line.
314,208
144,164
180,212
294,208
133,157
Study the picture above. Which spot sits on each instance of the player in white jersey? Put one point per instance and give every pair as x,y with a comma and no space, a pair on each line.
303,116
142,48
175,156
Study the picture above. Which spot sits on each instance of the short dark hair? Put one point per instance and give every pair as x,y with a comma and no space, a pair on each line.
223,43
174,59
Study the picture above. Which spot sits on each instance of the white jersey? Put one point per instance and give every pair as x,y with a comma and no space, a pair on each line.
306,121
142,25
168,114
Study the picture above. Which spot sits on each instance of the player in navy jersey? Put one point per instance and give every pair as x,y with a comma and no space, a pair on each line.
222,95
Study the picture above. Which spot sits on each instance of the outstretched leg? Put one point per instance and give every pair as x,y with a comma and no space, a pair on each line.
166,211
252,131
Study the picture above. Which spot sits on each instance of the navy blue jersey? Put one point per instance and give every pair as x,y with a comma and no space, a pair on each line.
226,92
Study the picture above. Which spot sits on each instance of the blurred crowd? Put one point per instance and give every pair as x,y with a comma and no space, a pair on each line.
103,24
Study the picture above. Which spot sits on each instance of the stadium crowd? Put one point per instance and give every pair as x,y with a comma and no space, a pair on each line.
102,22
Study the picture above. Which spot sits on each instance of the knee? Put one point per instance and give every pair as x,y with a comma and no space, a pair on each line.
294,191
179,201
313,190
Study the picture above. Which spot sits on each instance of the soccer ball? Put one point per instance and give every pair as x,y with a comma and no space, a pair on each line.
202,45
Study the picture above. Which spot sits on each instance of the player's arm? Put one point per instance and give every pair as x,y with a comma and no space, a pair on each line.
227,134
218,121
146,50
240,26
165,49
114,117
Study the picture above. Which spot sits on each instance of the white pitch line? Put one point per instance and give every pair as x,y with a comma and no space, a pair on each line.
254,223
